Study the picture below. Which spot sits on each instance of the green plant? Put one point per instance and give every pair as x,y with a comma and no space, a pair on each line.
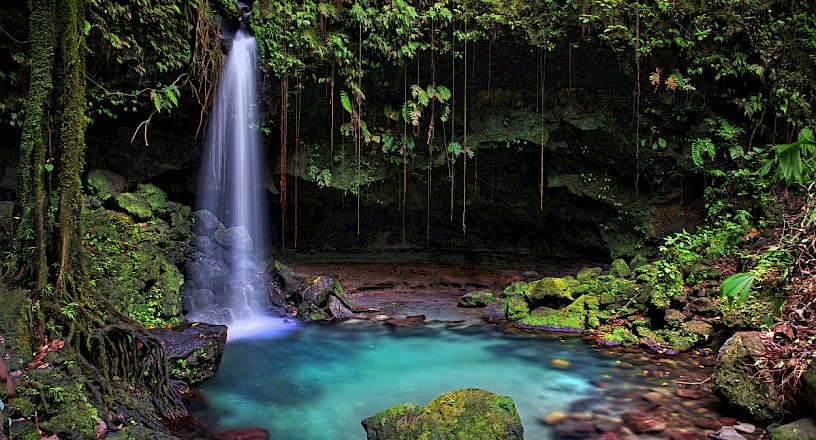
795,162
737,287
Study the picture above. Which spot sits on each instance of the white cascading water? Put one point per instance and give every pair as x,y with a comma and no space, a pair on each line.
232,185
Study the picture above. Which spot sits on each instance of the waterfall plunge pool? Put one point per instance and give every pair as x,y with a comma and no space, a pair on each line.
318,381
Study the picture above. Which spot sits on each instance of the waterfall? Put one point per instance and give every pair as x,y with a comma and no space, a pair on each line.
230,284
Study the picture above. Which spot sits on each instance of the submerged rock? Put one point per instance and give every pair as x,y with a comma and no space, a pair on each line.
464,414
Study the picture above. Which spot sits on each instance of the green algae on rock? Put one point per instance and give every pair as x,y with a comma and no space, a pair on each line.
739,383
479,298
467,414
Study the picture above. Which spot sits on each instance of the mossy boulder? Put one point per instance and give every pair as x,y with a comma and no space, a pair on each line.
155,197
618,336
802,429
548,291
495,311
588,273
194,351
127,263
479,298
571,318
740,384
324,298
105,184
516,307
467,414
134,205
619,269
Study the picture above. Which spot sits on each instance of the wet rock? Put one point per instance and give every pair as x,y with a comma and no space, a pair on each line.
338,309
193,352
407,321
653,397
243,434
802,429
208,273
561,364
738,382
530,275
205,247
644,422
468,413
707,423
746,428
554,417
677,434
729,433
610,436
692,394
479,298
496,310
235,238
206,223
320,290
574,428
728,421
291,280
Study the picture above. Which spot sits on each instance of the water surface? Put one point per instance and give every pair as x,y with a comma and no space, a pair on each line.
319,381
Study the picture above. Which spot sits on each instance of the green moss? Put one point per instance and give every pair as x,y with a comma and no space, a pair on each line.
479,298
135,205
155,197
620,336
739,383
468,414
588,273
676,339
570,318
517,307
802,429
127,263
619,269
550,290
513,289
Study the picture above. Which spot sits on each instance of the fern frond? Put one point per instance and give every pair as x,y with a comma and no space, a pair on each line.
344,99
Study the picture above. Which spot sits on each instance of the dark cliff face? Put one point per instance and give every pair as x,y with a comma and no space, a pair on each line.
604,195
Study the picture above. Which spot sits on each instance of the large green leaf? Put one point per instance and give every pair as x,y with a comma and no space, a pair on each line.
737,287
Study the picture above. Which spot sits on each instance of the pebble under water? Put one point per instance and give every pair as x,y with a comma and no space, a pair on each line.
318,381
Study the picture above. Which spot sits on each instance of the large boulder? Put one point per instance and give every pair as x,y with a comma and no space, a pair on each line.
802,429
194,352
324,298
464,414
548,291
740,384
105,184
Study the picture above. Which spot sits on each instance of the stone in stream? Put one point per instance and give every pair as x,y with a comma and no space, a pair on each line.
462,414
644,422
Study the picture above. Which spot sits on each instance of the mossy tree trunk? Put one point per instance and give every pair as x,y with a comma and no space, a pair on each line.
63,303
